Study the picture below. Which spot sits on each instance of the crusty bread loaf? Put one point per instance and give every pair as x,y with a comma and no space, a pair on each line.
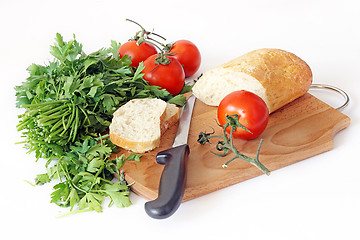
277,76
137,126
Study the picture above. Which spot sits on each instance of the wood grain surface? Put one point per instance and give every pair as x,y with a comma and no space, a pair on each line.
302,129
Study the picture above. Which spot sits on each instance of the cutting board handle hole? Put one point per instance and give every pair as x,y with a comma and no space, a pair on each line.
326,92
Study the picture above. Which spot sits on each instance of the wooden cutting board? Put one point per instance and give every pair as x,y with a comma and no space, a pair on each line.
299,130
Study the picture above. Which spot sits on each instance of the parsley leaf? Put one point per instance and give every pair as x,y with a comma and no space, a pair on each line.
91,201
118,194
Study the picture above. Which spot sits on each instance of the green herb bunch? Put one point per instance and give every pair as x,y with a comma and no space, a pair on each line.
67,104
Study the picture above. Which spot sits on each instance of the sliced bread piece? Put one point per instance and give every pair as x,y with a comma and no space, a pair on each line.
136,126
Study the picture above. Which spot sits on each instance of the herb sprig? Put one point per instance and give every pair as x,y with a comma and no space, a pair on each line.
227,144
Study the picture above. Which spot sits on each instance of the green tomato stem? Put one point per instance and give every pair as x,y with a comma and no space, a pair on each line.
228,144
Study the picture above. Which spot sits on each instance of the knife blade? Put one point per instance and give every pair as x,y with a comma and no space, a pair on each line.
173,177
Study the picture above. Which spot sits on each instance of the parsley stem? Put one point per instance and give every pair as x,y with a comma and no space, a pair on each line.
53,110
44,103
69,120
76,124
55,116
48,123
102,137
96,176
22,125
55,133
56,125
86,116
67,176
74,212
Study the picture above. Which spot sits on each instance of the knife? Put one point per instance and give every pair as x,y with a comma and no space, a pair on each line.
173,177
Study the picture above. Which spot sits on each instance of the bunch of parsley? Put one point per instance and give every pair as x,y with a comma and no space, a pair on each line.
68,103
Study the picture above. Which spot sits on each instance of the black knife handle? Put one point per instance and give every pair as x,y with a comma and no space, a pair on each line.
172,182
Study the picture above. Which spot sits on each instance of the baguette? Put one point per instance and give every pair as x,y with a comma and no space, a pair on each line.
138,125
275,75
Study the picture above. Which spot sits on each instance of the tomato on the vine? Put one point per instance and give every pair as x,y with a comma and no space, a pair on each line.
251,109
188,55
137,53
168,75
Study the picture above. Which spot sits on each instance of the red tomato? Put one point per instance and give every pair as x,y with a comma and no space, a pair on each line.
138,53
170,77
252,110
188,55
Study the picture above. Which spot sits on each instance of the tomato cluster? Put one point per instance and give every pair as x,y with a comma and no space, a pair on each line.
167,67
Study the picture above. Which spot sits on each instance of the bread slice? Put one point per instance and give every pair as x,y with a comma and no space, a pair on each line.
137,126
275,75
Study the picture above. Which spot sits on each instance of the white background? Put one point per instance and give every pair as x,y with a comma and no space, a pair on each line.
318,198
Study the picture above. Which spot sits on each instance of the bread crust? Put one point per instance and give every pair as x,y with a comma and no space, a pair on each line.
138,147
284,76
169,122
